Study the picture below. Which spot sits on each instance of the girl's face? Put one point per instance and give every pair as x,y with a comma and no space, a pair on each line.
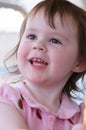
48,55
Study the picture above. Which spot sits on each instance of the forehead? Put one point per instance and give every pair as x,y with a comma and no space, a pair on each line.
65,23
41,14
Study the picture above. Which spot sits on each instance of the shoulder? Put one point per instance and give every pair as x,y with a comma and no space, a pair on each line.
15,119
9,97
9,94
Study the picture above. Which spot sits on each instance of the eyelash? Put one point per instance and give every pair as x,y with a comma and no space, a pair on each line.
31,37
55,41
52,40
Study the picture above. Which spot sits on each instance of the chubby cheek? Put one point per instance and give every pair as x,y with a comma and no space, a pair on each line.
22,54
64,60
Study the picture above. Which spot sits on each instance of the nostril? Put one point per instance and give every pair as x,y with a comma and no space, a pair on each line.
41,49
34,48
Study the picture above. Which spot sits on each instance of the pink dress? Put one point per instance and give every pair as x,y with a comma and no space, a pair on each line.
38,116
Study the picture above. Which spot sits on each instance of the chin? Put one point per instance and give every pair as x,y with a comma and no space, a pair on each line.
35,80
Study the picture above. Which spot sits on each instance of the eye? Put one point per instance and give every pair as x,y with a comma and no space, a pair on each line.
32,37
54,41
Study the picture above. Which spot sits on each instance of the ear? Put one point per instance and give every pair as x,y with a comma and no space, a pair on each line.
80,67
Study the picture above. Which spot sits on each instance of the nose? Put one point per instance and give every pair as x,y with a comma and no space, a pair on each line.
39,47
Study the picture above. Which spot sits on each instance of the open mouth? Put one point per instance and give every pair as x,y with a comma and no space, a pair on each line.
38,61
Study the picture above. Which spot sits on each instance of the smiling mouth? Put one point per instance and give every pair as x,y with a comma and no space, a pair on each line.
38,61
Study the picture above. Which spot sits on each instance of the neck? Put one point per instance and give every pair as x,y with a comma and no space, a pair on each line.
47,96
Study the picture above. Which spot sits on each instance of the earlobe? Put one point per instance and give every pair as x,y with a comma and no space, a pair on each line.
80,67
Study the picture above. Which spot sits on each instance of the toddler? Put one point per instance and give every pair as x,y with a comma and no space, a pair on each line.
51,58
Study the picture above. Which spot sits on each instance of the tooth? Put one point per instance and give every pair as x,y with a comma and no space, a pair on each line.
34,59
39,60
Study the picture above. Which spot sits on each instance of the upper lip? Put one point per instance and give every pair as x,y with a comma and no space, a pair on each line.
38,59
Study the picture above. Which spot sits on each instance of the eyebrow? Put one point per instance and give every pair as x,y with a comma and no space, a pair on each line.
31,29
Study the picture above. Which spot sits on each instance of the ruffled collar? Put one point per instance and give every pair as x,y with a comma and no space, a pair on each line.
67,109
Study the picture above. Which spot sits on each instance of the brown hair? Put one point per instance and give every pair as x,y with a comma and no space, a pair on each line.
63,7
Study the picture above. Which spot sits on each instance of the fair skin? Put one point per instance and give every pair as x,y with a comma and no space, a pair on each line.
11,119
44,53
46,57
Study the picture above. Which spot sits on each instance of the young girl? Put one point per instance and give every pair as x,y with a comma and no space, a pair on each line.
51,57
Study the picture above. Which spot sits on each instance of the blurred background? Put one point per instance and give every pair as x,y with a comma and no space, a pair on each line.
12,13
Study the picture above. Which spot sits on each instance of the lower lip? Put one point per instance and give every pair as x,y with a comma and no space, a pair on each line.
38,67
